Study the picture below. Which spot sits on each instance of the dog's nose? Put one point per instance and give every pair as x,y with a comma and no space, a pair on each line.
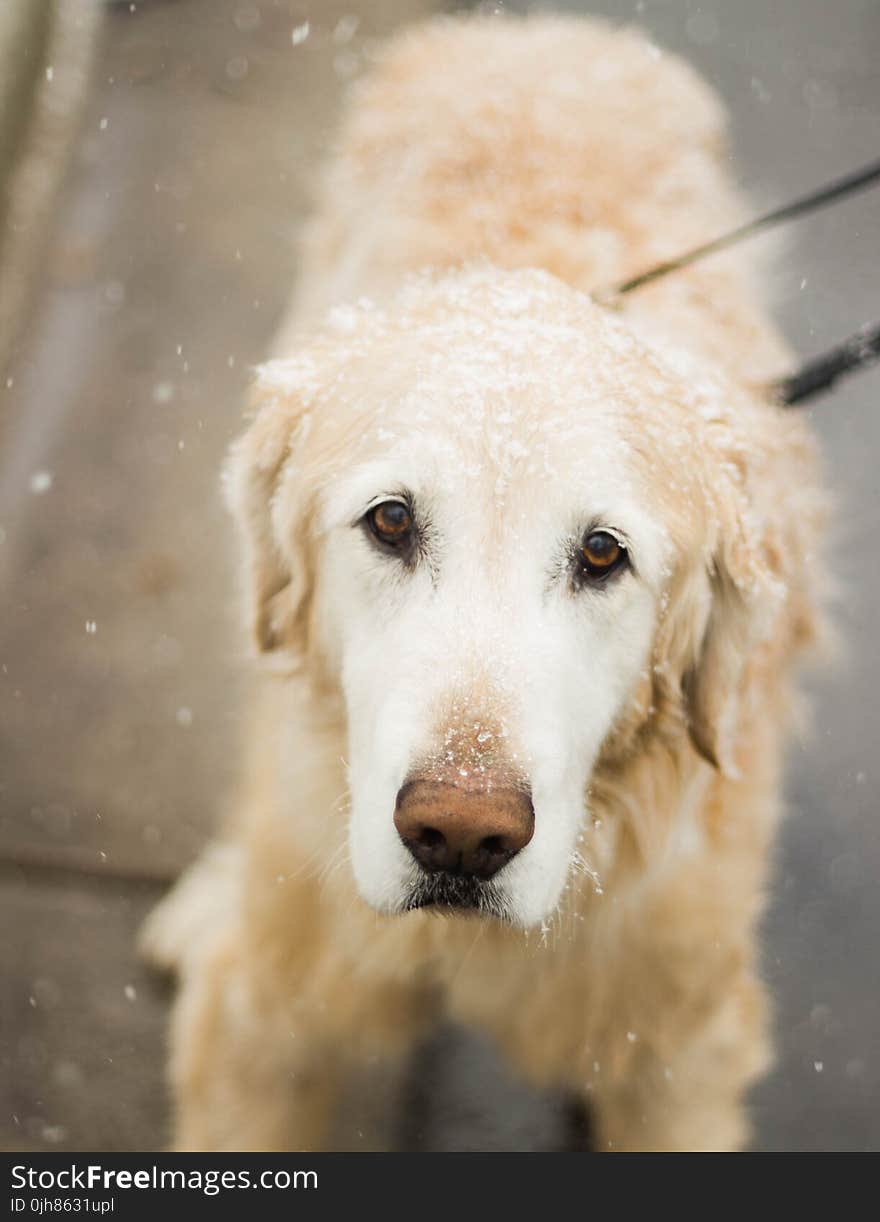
460,830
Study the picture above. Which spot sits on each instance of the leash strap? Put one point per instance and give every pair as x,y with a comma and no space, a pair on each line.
819,375
840,188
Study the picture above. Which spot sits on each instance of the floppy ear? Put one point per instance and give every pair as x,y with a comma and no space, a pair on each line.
744,597
271,514
710,685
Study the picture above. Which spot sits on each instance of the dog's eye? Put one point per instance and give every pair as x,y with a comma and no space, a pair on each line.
391,522
601,555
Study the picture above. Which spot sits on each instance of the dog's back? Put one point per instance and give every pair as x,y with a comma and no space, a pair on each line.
558,143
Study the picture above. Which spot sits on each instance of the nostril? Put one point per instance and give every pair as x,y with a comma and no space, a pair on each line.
431,838
494,846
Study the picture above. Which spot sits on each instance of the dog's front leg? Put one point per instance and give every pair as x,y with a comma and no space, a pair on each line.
259,1060
690,1098
246,1074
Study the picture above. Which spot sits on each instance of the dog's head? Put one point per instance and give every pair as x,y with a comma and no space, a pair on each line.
510,539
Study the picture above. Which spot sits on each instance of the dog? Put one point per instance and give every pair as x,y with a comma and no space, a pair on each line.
530,575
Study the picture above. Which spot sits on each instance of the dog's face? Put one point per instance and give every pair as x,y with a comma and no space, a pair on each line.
490,520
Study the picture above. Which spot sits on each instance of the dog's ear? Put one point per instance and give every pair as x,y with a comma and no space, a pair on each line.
271,512
751,588
744,597
710,685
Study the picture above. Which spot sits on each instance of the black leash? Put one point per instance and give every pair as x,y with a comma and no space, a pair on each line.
866,177
817,376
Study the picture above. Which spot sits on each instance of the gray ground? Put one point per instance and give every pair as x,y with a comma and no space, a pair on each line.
119,651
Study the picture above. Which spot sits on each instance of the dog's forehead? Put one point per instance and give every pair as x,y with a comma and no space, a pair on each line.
481,416
510,386
478,413
513,443
497,363
481,356
502,474
477,342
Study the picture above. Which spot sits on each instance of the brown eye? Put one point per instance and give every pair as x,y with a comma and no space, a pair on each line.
601,554
391,523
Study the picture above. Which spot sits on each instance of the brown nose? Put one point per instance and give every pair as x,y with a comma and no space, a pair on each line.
460,830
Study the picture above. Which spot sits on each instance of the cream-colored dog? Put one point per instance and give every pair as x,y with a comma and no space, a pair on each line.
534,573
